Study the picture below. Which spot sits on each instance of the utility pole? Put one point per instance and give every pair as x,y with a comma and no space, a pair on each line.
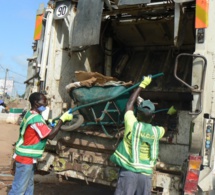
5,81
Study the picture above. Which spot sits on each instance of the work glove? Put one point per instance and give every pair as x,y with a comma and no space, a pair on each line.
52,122
67,116
146,81
171,111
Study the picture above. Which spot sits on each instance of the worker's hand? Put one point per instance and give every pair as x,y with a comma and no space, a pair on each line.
146,81
67,116
52,122
171,111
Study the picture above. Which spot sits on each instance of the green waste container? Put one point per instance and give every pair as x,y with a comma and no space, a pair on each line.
14,115
16,110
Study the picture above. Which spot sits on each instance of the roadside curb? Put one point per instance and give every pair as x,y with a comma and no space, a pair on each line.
3,117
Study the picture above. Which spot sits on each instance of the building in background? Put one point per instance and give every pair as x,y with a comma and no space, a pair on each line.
7,88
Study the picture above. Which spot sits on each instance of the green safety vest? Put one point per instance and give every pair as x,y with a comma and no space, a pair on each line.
35,150
130,160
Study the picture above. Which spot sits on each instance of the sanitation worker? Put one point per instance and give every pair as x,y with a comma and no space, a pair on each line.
137,153
31,143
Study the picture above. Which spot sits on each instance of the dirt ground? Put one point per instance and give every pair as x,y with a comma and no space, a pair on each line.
9,135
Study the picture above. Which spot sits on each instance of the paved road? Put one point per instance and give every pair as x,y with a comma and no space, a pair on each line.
8,135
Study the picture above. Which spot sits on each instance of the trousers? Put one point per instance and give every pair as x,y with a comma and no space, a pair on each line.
23,183
130,183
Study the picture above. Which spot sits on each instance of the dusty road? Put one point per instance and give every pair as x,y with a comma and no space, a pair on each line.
9,135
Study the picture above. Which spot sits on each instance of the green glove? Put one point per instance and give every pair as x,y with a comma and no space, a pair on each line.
146,81
172,110
67,116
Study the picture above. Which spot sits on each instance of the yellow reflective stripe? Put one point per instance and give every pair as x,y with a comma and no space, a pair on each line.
154,145
135,165
136,142
28,119
29,151
23,130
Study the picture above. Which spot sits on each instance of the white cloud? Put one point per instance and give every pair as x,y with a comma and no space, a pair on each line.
21,60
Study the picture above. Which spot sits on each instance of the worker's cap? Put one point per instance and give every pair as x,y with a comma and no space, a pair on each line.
1,101
146,106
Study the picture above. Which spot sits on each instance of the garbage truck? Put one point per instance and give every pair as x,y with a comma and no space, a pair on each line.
119,42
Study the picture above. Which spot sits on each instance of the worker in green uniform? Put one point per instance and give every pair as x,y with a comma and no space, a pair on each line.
30,146
137,153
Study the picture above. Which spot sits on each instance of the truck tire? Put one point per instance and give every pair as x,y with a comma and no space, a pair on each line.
76,122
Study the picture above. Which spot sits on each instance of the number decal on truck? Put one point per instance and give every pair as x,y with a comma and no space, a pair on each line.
62,10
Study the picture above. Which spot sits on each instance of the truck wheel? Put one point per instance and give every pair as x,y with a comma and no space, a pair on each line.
76,122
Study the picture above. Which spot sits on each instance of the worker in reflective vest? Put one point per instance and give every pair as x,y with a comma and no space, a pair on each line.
137,153
31,143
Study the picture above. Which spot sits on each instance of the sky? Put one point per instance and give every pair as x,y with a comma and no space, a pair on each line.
16,37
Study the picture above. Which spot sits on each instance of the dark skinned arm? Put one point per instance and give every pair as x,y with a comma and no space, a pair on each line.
132,99
67,116
145,82
130,105
55,130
